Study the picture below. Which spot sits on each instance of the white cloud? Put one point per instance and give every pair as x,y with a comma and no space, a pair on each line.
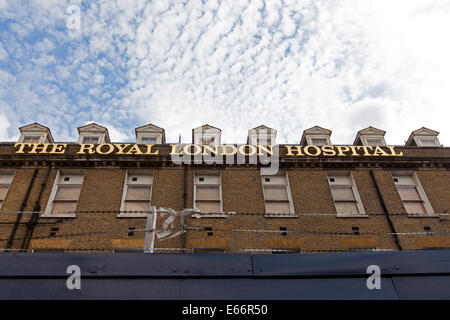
4,125
3,53
290,64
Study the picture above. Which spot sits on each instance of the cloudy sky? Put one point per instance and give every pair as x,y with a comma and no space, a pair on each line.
289,64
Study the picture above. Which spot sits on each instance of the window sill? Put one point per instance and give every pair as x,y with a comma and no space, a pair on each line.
66,215
216,215
132,215
352,216
420,215
280,215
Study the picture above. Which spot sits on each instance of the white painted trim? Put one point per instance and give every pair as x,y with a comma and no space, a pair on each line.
156,135
423,195
317,136
198,137
101,137
7,172
289,194
426,202
365,137
212,173
43,136
49,207
359,204
124,194
418,140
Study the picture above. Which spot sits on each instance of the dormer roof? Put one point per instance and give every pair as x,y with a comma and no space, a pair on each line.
95,128
151,128
36,127
421,132
316,130
206,127
262,129
369,131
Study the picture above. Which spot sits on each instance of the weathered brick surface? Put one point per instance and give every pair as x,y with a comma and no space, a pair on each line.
242,193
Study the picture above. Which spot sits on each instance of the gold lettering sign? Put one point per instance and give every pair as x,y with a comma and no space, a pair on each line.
219,150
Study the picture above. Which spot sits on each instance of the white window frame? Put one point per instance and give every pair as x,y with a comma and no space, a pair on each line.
291,212
43,138
125,191
101,138
309,139
425,201
270,139
364,139
48,210
4,182
157,136
359,204
200,136
419,143
217,174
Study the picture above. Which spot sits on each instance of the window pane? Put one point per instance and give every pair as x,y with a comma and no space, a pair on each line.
264,141
31,139
346,207
149,140
275,193
429,142
414,207
408,193
277,207
137,206
3,191
67,193
342,193
207,140
64,207
341,179
407,180
138,193
93,140
374,142
208,193
319,142
208,206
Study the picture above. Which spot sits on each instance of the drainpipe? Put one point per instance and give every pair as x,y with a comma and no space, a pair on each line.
385,210
35,216
22,208
183,237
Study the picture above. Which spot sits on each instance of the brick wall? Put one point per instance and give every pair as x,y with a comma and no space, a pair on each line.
242,193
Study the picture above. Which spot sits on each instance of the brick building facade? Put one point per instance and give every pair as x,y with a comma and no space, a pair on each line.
88,196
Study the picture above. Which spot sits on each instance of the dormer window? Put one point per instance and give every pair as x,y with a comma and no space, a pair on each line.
150,134
428,142
35,133
90,140
206,135
263,141
207,141
319,141
316,136
31,139
93,134
423,137
374,141
370,136
262,136
149,140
